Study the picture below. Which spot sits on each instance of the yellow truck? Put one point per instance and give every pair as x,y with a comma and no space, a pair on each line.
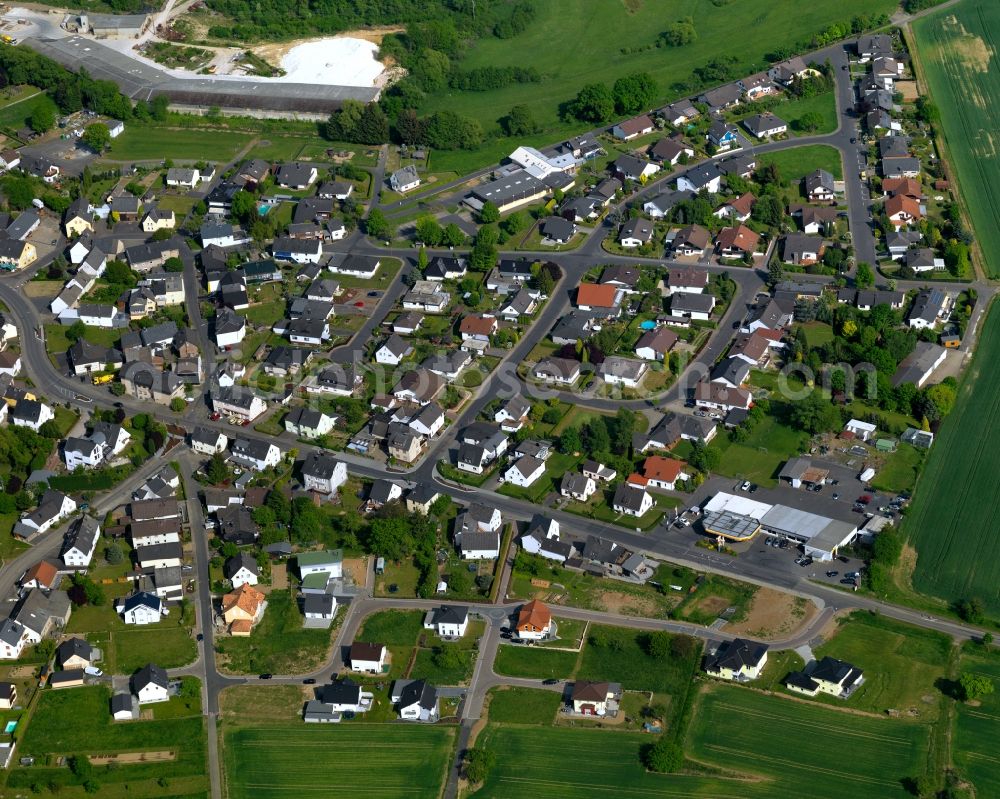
100,380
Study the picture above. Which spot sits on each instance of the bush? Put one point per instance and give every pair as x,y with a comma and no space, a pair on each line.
478,763
664,756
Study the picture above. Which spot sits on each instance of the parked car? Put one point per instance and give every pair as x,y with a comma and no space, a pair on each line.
832,573
309,681
266,676
745,486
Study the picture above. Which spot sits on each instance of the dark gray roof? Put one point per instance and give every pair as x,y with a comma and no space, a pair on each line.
736,654
451,614
418,693
150,674
244,560
74,647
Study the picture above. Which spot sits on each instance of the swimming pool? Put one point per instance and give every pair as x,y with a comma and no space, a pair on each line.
648,324
11,726
263,208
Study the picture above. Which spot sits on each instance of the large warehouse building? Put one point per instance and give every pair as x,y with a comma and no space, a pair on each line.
738,518
140,81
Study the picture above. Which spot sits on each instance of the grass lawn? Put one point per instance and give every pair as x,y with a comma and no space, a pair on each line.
9,546
404,575
947,57
77,721
516,660
576,42
789,744
901,663
56,341
900,470
817,333
523,706
617,654
381,761
759,458
180,205
266,314
976,728
15,114
823,104
155,142
453,672
279,644
797,162
952,519
167,646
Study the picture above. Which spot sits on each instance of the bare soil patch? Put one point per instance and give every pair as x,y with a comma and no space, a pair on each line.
279,576
712,604
357,569
133,757
627,604
774,614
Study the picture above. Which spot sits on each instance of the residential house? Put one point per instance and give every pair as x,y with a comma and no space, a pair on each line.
723,97
419,385
819,186
631,501
902,210
636,232
577,486
736,242
360,266
660,472
929,306
159,555
628,167
323,473
692,306
295,175
235,525
13,639
670,151
692,240
443,268
31,413
478,327
256,454
301,251
558,230
561,371
534,622
16,254
797,248
766,125
421,498
308,423
80,542
923,259
74,653
757,85
242,609
393,351
367,658
595,698
415,700
595,297
240,569
404,179
183,177
524,472
618,371
655,344
632,128
53,507
828,676
723,135
738,660
719,397
141,608
737,209
208,441
78,218
151,684
238,402
448,621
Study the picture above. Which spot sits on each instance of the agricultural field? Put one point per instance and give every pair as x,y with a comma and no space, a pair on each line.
789,744
575,42
381,762
77,721
952,519
976,730
955,49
